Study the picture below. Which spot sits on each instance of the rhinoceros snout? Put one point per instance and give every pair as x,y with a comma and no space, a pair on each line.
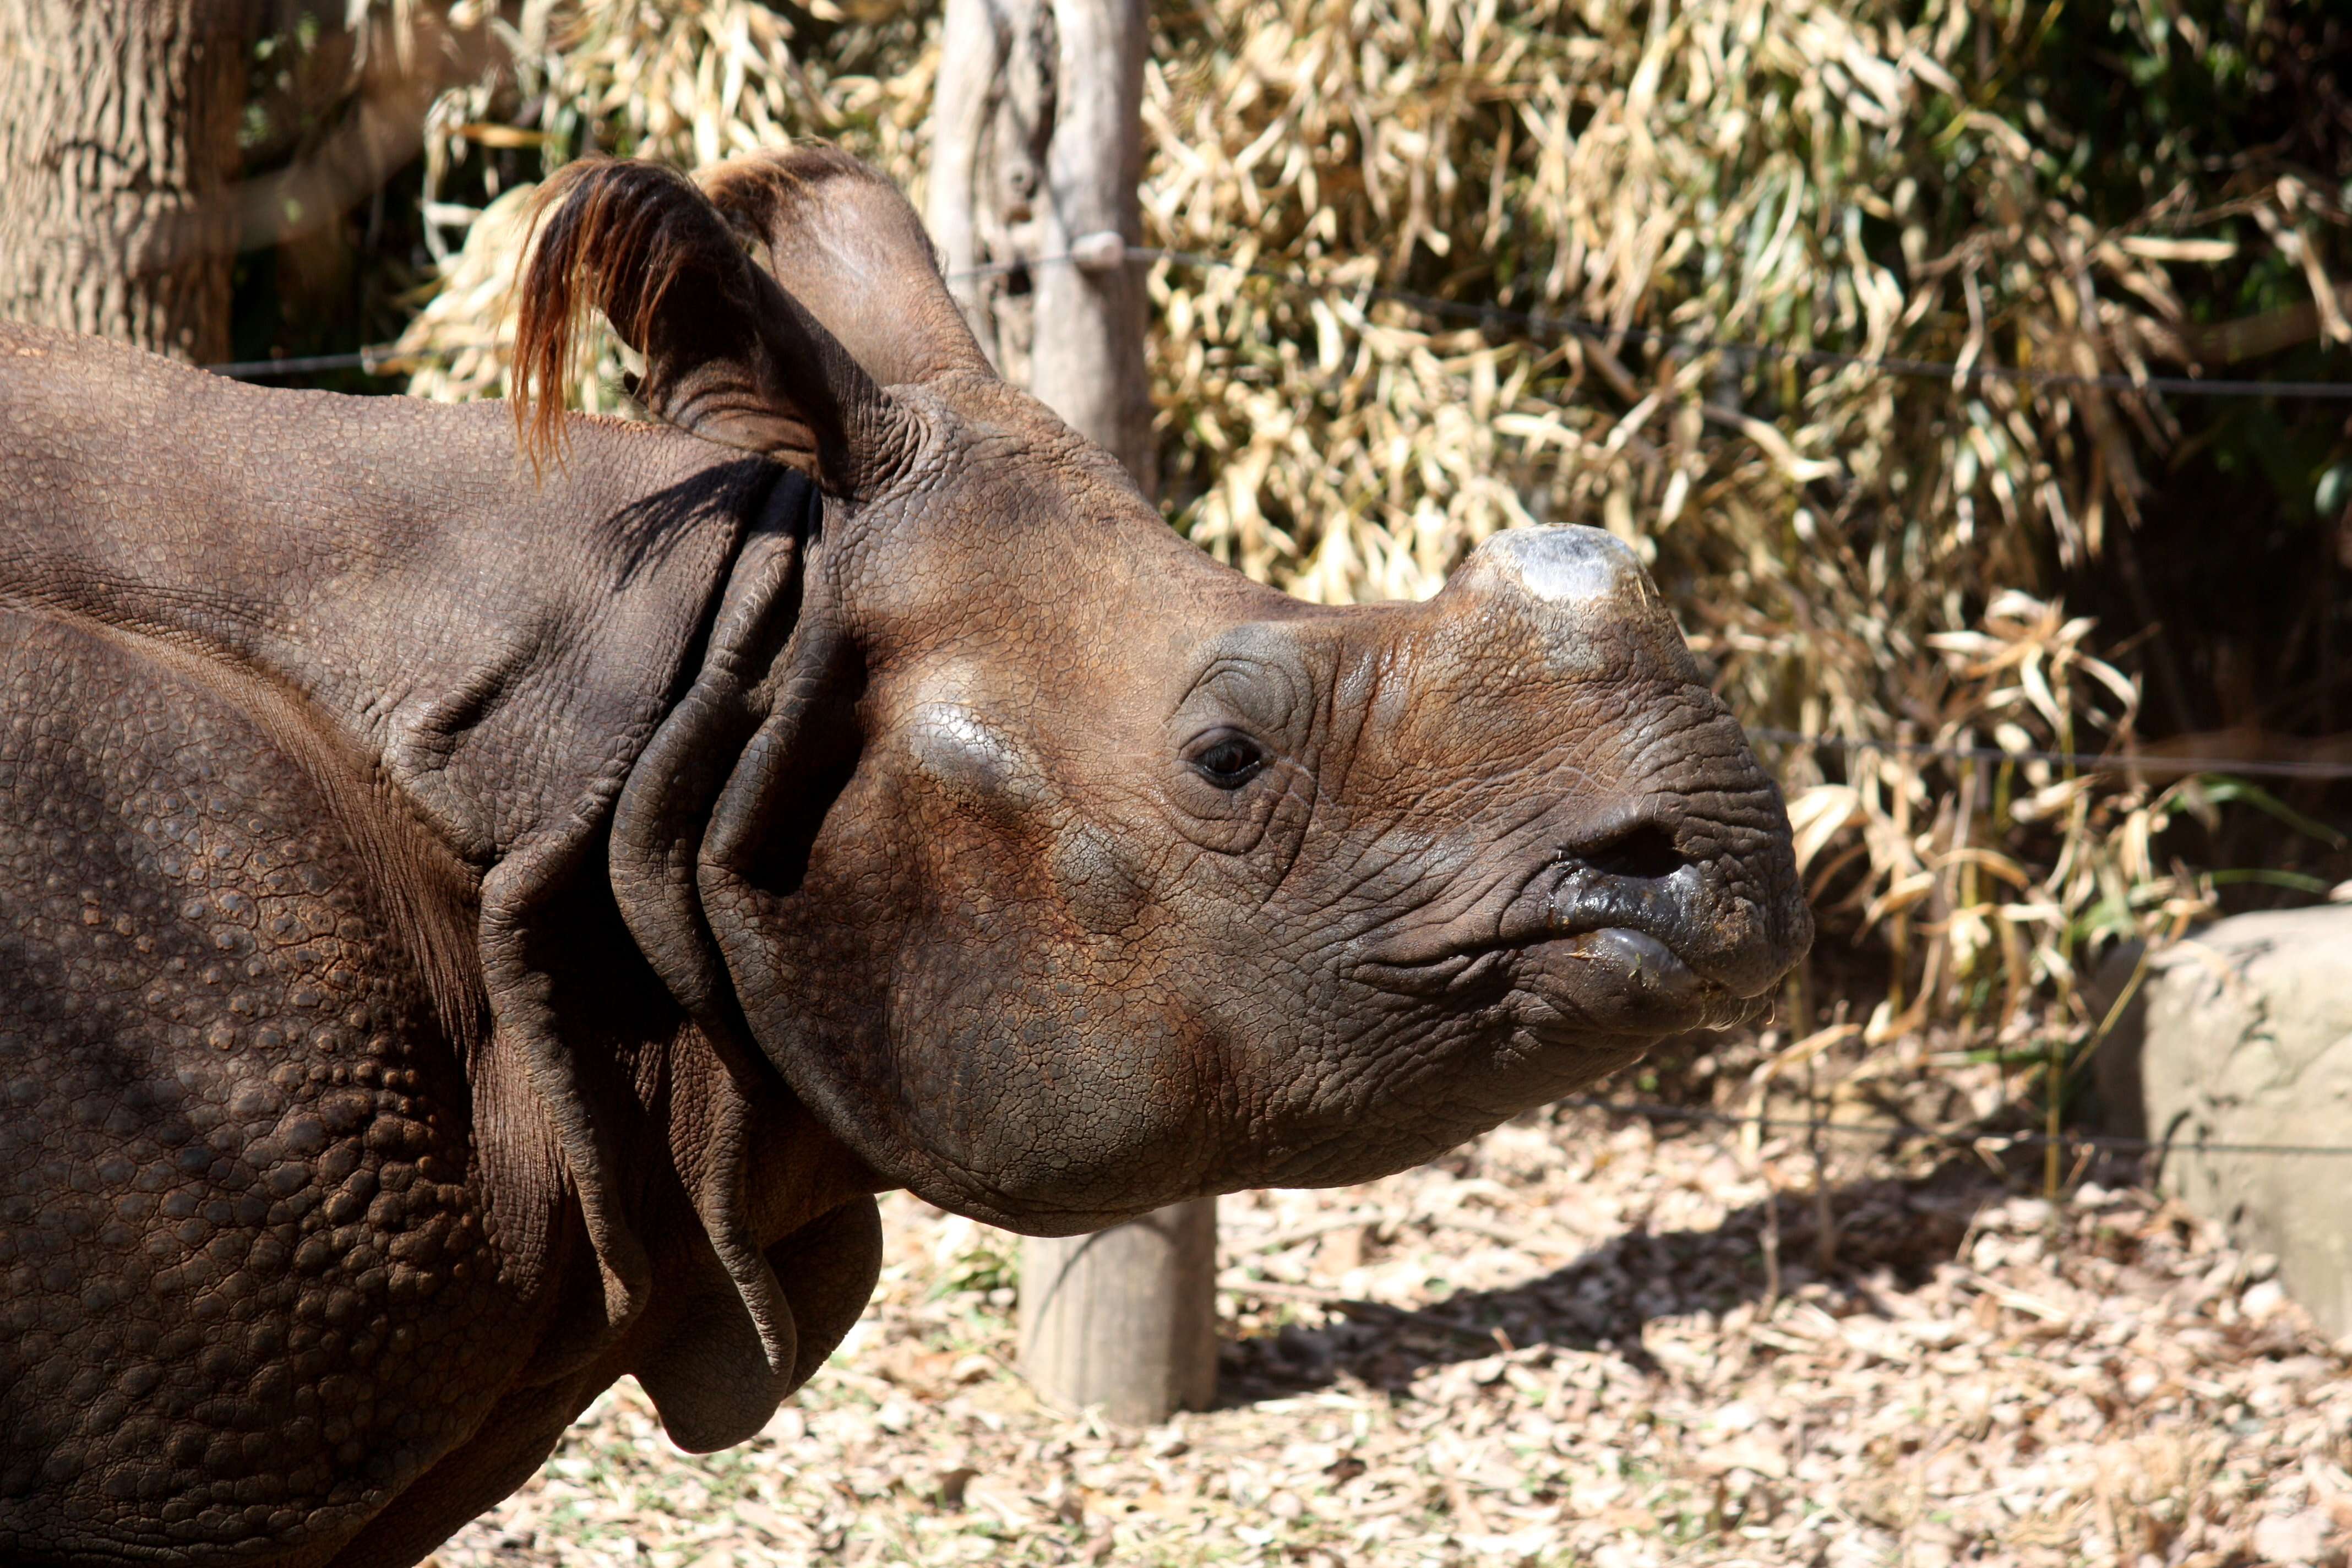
1728,941
1696,857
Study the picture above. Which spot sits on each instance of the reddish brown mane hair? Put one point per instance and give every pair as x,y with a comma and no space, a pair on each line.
617,235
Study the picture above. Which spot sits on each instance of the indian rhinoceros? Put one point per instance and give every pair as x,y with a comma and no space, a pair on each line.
486,898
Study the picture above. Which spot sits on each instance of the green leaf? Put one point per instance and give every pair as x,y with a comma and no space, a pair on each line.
2296,879
2225,788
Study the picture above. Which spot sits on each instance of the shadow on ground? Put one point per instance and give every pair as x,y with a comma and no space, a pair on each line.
1888,1234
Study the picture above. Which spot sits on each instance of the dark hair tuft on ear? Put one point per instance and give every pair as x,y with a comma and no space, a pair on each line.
731,357
611,233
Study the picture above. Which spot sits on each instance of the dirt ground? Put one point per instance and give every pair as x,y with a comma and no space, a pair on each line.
1583,1339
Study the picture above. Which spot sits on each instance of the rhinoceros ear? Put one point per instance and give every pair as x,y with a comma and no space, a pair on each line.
730,355
842,240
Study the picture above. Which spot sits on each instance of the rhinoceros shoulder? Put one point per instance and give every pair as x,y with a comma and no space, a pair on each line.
248,1288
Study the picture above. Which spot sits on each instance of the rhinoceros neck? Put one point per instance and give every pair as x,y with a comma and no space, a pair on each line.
497,644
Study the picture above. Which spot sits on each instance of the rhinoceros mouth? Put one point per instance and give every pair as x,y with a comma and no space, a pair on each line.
1577,951
1614,980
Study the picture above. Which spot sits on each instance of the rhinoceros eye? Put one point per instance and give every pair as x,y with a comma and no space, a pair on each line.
1226,758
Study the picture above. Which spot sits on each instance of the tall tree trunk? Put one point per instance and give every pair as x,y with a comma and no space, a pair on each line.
118,149
1036,150
1036,146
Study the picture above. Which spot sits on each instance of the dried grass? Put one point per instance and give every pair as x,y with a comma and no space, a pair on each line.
689,83
1858,554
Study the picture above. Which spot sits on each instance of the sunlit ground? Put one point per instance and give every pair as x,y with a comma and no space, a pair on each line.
1594,1370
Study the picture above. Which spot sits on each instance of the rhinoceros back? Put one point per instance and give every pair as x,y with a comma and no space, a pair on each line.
234,1223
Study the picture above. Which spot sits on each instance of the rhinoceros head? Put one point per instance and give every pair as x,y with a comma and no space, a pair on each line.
1065,872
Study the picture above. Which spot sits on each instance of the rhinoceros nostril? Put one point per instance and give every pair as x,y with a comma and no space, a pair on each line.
1644,851
1631,878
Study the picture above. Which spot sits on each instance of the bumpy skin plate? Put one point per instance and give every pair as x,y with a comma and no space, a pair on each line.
247,1291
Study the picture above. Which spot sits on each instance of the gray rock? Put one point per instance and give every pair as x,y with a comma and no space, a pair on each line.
2242,1035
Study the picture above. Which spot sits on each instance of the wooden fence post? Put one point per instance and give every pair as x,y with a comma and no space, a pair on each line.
1037,152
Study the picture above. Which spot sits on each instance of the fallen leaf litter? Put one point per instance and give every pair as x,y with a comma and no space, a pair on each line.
1556,1346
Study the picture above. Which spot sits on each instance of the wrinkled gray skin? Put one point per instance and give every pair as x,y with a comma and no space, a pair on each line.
466,936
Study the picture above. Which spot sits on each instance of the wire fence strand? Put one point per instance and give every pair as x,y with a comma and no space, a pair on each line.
2084,762
374,361
1654,1110
389,358
1529,325
1543,325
